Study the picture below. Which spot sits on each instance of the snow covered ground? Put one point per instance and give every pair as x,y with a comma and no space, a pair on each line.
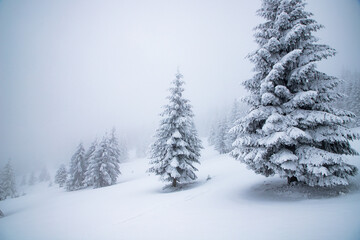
234,204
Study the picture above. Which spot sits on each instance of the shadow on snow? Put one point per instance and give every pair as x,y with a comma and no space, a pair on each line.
279,190
182,186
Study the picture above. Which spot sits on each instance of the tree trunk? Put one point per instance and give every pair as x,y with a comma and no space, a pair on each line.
292,179
174,182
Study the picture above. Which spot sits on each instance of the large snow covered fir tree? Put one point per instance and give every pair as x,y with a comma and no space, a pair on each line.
292,128
103,169
177,146
77,170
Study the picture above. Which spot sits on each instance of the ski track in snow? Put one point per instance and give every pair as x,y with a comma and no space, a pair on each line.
234,203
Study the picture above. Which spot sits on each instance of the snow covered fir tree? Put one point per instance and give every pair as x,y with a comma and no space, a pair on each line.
237,111
177,147
118,153
103,169
61,175
77,170
221,132
89,155
32,179
90,152
7,182
44,175
292,128
124,153
23,181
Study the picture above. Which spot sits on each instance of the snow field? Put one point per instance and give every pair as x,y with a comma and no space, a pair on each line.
234,204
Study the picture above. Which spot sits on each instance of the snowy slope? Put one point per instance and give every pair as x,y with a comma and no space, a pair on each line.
234,204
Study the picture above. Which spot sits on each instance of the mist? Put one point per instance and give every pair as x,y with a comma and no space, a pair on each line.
72,70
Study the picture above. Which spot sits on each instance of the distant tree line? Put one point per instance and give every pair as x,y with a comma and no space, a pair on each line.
98,166
221,136
350,87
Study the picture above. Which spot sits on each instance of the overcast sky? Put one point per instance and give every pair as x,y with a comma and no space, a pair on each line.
70,70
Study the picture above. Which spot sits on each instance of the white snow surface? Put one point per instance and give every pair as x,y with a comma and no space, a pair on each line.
234,203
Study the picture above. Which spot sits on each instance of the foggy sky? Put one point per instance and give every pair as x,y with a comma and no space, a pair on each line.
71,70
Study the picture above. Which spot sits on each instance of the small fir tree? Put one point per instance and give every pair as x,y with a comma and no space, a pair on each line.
141,148
61,175
292,128
212,134
2,192
235,114
87,159
114,146
44,175
220,135
220,143
124,153
8,183
32,179
23,181
77,170
177,146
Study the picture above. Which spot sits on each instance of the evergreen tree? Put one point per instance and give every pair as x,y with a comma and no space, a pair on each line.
61,175
141,149
32,179
212,134
235,114
77,170
220,135
2,190
292,128
44,175
87,160
114,146
104,169
7,182
220,143
177,147
124,154
23,181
